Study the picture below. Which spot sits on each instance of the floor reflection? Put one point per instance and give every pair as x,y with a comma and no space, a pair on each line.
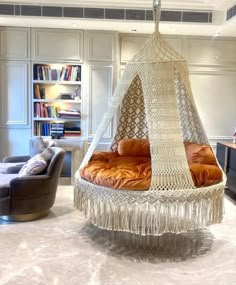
153,249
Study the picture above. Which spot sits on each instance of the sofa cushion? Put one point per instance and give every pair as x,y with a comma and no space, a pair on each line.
4,166
5,183
37,164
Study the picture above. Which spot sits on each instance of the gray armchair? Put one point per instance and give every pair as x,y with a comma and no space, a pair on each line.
30,197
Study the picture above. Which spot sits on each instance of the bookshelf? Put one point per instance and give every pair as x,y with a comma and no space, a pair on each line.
56,109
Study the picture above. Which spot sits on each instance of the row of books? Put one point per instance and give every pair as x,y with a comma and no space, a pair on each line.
72,129
66,73
56,129
43,110
69,114
71,73
42,129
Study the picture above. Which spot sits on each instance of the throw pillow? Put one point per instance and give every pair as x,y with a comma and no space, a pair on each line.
204,156
49,143
37,146
35,165
199,153
134,147
47,154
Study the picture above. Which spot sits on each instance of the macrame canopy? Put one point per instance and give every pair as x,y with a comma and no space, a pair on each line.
154,101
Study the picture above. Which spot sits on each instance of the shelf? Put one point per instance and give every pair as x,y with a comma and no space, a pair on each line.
57,101
50,119
50,72
57,82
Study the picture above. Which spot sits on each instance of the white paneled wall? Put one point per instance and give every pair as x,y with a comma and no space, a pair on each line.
103,54
14,91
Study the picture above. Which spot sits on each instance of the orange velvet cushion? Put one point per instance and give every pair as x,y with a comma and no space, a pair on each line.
134,147
205,175
118,172
199,153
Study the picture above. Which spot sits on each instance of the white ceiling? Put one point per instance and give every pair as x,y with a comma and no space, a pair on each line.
218,7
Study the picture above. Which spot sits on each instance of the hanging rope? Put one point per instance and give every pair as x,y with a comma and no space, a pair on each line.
157,13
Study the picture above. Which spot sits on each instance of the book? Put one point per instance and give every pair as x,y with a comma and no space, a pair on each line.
37,91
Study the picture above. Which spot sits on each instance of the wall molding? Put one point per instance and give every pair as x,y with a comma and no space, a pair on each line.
214,139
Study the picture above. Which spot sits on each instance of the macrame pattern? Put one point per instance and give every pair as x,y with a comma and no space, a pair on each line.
132,119
155,101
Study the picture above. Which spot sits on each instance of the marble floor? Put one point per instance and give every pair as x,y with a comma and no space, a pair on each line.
64,249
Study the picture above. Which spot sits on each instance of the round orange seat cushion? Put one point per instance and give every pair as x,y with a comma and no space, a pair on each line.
109,169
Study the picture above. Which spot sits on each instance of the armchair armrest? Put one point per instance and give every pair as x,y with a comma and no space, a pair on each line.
36,185
22,158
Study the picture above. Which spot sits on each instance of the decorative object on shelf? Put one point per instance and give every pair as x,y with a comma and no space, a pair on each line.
155,102
66,96
57,130
77,93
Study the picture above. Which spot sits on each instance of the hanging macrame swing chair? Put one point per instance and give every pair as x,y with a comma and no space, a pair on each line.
155,103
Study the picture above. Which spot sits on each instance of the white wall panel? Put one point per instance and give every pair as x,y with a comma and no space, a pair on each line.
216,52
100,91
57,44
14,43
214,94
100,47
14,94
11,144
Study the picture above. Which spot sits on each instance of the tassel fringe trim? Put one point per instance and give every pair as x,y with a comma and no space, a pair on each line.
150,212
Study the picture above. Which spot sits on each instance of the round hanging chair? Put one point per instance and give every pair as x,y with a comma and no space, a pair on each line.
155,102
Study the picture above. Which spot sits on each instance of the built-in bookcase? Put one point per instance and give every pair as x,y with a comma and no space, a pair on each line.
56,100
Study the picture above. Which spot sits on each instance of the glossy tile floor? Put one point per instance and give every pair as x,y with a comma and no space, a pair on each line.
64,249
